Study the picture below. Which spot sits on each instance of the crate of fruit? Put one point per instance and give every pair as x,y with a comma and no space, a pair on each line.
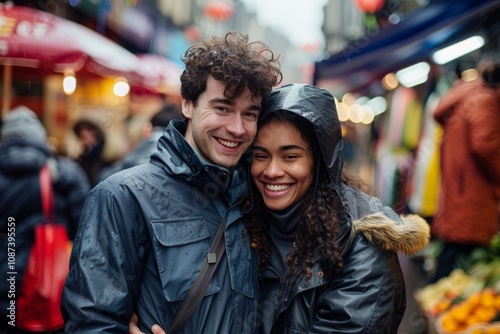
479,313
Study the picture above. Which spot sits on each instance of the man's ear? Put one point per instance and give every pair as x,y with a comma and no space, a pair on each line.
187,108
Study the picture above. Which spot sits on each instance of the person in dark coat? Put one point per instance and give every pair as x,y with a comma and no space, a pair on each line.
23,152
93,140
146,231
328,250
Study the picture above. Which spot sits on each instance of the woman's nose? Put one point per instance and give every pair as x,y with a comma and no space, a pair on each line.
273,169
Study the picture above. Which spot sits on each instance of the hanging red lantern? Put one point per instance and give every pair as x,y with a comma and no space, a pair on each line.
219,10
370,6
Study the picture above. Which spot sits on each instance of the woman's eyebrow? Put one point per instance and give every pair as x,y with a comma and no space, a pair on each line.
282,148
259,148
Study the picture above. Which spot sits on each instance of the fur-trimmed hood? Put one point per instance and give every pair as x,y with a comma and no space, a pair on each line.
409,237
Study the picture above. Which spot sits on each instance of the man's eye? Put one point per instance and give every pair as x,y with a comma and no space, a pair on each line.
221,108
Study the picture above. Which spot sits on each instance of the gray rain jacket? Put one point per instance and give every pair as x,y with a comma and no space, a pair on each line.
144,235
368,295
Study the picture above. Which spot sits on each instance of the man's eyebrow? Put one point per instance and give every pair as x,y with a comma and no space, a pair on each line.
222,100
232,103
255,107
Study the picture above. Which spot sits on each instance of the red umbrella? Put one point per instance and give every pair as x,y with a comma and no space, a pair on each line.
38,42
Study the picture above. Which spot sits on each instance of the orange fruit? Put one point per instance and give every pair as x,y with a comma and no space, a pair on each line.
488,299
474,299
497,302
449,324
485,314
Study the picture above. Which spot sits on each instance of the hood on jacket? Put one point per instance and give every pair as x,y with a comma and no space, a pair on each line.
409,238
23,123
317,106
21,155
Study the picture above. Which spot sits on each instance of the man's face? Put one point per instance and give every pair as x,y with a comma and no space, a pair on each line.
221,129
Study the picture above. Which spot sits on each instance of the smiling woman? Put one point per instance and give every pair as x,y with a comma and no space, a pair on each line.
321,241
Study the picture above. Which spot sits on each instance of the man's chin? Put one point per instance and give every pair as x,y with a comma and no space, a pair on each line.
228,161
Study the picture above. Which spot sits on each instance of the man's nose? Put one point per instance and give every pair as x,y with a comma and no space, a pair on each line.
236,125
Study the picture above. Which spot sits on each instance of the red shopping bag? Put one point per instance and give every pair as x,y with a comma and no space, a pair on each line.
38,304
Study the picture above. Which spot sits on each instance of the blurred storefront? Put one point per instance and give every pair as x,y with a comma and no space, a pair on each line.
365,71
387,72
132,27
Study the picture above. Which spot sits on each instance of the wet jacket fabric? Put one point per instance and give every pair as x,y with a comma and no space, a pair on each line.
470,164
144,235
368,295
21,160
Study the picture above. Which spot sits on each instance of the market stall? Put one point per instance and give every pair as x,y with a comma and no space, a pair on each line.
468,300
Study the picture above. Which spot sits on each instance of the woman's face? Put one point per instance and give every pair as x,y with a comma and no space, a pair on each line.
282,164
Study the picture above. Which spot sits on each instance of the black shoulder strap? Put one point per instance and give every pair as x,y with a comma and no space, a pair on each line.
197,291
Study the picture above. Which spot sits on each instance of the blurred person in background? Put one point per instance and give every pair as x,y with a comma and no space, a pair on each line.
468,206
23,152
93,140
145,231
149,133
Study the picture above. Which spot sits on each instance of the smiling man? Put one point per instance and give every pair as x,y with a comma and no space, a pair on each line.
145,232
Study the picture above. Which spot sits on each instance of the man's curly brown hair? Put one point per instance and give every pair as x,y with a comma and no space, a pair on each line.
233,60
317,230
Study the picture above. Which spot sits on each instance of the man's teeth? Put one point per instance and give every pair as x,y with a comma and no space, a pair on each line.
228,143
276,187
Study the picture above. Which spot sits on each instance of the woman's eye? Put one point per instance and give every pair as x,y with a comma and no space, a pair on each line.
259,156
252,115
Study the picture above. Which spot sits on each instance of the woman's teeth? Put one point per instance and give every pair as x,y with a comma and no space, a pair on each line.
277,187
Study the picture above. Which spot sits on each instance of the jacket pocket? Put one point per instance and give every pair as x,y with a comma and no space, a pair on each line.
181,247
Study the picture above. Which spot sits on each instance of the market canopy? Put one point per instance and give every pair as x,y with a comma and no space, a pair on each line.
440,23
35,43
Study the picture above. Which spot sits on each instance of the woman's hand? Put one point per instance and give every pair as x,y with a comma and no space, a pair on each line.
133,327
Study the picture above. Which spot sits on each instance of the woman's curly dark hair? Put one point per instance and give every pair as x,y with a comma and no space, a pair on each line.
233,60
317,230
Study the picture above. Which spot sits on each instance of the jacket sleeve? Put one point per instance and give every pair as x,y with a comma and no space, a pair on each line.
367,297
105,266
